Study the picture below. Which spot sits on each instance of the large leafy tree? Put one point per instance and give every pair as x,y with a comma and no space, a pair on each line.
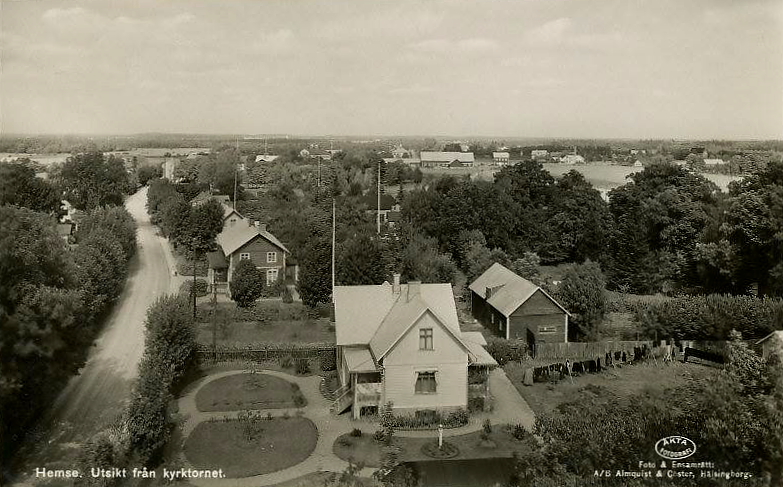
582,293
90,180
422,261
659,217
19,186
315,281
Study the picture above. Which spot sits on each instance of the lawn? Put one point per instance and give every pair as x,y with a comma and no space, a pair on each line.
603,388
364,449
249,391
241,333
280,443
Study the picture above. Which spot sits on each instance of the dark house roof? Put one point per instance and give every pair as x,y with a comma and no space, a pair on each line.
371,201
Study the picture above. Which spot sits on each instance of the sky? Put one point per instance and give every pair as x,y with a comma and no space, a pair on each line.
698,69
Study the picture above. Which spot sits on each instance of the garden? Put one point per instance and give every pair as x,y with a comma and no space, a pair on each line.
249,391
252,445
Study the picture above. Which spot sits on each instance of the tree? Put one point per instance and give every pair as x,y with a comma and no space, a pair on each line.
360,260
527,266
204,223
247,284
315,281
582,293
159,192
117,221
174,219
422,261
19,186
89,180
145,173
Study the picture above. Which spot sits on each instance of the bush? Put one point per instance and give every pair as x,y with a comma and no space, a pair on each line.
287,296
201,288
328,360
487,426
476,404
356,433
286,362
505,351
456,419
299,401
247,284
379,436
519,432
302,366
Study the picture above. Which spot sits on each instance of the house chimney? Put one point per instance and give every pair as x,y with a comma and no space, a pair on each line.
414,289
257,224
488,293
396,285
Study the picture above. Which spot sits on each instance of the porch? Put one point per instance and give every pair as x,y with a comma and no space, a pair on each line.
217,273
361,380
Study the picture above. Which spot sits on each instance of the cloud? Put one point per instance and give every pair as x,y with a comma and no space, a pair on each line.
470,45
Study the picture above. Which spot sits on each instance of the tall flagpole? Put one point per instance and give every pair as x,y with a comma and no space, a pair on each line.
334,213
378,216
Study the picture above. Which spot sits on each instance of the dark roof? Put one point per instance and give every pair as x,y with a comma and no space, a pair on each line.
217,260
371,200
394,216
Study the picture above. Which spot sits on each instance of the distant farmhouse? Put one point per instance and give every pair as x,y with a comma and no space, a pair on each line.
539,153
266,158
515,308
446,159
572,159
500,158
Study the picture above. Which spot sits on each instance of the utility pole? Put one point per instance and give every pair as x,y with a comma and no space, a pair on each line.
193,289
235,187
378,216
334,227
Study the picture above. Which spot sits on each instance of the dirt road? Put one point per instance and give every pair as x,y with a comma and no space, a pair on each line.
96,397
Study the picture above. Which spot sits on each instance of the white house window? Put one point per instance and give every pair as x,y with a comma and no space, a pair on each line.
271,276
425,339
271,257
244,256
425,383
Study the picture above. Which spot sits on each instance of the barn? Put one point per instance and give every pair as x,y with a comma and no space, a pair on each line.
515,308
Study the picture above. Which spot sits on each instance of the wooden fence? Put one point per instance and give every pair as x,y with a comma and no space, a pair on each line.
584,350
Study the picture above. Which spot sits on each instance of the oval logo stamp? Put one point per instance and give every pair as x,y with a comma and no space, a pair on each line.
675,447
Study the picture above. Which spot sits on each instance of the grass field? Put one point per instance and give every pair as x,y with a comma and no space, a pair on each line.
602,388
248,391
215,445
247,332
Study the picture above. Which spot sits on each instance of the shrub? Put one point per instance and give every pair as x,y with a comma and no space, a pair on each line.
476,404
487,426
302,366
356,433
247,284
328,360
456,419
201,288
505,351
286,362
519,432
287,296
379,435
299,401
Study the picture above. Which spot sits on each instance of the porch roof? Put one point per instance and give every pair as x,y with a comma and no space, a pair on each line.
475,342
359,360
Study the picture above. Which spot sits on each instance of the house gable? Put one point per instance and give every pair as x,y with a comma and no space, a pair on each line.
258,247
447,348
539,303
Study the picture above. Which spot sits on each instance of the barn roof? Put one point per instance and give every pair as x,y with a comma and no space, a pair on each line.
508,290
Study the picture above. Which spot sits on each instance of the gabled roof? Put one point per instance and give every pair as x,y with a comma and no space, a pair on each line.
509,291
227,210
446,156
361,310
232,238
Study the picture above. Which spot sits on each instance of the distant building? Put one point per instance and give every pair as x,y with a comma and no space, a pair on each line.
444,159
400,152
638,164
572,159
771,343
539,153
266,158
304,153
501,157
388,206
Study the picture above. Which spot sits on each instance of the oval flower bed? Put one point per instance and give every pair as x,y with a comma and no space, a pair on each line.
243,449
249,391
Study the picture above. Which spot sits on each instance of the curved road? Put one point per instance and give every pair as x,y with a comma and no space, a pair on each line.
95,398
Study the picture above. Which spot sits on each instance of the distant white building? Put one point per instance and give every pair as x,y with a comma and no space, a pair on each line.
572,159
539,153
443,159
265,158
500,157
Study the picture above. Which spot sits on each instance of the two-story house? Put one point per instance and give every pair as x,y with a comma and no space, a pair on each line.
241,240
401,344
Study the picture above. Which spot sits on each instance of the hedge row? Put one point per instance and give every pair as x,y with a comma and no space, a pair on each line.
201,287
261,311
505,351
709,317
454,419
168,351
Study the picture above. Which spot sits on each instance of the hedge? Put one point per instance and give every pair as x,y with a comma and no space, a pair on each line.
505,351
261,311
201,287
454,419
709,317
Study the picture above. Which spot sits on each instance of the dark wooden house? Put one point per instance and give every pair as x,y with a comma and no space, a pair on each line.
515,308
